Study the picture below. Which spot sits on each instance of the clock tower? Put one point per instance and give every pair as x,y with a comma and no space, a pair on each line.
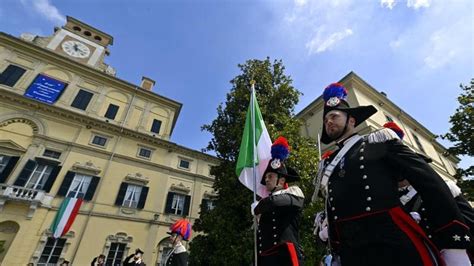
83,43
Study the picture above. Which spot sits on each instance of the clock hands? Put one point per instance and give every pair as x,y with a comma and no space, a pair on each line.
76,49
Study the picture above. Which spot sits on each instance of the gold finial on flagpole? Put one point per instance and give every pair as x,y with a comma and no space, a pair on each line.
252,82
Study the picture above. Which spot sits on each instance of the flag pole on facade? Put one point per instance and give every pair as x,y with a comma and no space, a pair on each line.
254,154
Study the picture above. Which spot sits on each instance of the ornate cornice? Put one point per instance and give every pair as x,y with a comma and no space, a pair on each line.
121,237
20,120
137,178
81,119
180,188
87,168
70,65
209,195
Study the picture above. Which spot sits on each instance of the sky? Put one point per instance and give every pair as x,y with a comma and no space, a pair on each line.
416,51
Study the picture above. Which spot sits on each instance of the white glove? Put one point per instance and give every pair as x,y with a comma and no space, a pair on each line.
455,257
416,216
323,234
252,207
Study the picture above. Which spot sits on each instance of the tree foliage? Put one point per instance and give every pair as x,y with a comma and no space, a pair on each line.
461,134
226,231
462,125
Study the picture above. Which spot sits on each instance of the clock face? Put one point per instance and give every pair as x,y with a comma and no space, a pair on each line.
76,49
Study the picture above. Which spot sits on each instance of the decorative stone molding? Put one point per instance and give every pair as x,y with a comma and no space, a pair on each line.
20,120
42,242
11,148
32,197
128,211
9,227
120,237
48,159
110,71
86,168
180,188
29,37
80,119
209,195
137,178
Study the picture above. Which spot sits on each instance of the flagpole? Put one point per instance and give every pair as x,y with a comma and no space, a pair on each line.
254,149
319,147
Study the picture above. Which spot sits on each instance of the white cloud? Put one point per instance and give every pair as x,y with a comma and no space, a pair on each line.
440,38
440,50
416,4
390,4
319,44
436,38
319,25
300,2
46,9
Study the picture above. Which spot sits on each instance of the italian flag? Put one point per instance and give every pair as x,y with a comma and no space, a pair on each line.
254,143
65,216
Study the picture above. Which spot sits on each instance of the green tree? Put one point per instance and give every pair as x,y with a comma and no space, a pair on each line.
462,135
227,234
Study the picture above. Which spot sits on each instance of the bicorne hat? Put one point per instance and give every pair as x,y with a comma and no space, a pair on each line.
335,98
280,151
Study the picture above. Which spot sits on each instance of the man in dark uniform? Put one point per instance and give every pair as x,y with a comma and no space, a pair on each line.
367,226
278,226
179,231
135,259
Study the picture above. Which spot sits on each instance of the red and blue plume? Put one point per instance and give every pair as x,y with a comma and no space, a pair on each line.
393,126
183,228
335,90
280,149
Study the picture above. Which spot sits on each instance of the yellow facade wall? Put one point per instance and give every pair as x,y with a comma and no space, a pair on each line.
58,127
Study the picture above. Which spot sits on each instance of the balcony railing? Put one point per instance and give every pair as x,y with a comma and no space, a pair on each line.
29,196
21,193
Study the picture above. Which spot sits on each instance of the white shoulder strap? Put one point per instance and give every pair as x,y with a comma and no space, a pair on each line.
330,167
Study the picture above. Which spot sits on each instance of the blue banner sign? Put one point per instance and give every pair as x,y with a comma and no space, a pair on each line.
45,89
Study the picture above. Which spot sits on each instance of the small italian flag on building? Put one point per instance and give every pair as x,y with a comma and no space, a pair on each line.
65,216
260,146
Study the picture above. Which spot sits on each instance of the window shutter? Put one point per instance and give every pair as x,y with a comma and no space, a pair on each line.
204,204
25,173
187,203
111,111
121,194
141,202
169,202
66,183
8,168
155,127
92,186
51,178
11,75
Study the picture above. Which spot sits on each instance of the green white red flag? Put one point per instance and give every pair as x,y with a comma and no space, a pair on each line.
65,216
260,145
